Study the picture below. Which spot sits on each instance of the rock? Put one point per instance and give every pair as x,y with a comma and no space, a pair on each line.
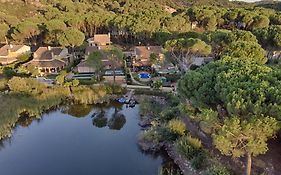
150,146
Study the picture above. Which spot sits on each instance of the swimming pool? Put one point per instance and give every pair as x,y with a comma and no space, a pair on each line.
144,75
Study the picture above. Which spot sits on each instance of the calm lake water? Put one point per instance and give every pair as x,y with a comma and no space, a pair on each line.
86,140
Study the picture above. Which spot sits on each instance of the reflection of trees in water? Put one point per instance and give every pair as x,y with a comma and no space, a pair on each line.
116,122
78,111
100,120
25,120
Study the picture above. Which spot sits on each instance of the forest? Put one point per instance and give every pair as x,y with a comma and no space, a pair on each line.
134,22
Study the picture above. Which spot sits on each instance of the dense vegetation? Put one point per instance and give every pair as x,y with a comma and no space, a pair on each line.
54,22
246,94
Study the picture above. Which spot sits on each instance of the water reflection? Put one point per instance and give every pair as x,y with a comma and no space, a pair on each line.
25,120
78,111
117,122
50,144
114,121
99,119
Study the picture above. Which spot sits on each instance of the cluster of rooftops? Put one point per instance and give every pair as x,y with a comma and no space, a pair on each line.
54,59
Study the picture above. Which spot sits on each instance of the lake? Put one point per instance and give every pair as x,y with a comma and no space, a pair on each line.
86,140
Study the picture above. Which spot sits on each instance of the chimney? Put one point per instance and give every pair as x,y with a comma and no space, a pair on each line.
49,47
109,35
53,55
148,48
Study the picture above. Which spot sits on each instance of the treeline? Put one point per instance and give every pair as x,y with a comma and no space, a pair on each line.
132,21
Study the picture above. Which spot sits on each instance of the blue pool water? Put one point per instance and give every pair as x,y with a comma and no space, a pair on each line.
144,75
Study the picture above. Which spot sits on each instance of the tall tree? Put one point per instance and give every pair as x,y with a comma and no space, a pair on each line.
182,48
72,38
251,51
95,60
26,31
115,55
55,28
3,32
239,138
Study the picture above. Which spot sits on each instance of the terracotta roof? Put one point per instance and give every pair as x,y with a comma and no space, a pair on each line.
82,64
49,64
142,63
45,53
100,38
91,49
12,48
7,60
107,62
146,51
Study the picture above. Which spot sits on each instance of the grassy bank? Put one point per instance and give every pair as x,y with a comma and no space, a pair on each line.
169,132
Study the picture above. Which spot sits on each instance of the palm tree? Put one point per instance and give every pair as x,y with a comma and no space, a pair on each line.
95,60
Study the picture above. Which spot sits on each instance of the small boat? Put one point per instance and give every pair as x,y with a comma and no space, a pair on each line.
132,103
127,101
93,115
121,100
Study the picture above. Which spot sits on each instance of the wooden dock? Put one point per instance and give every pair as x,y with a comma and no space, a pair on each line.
129,95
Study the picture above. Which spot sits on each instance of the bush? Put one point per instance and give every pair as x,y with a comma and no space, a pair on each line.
151,135
217,170
8,72
169,114
189,147
166,134
199,162
3,84
90,94
177,126
173,100
25,85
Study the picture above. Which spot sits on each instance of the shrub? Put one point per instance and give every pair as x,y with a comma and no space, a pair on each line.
8,72
149,107
151,135
188,147
217,170
173,100
25,85
169,114
194,142
166,134
198,162
3,84
177,126
90,94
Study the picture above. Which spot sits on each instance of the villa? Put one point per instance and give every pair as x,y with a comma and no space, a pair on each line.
51,59
10,53
142,55
108,74
100,40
